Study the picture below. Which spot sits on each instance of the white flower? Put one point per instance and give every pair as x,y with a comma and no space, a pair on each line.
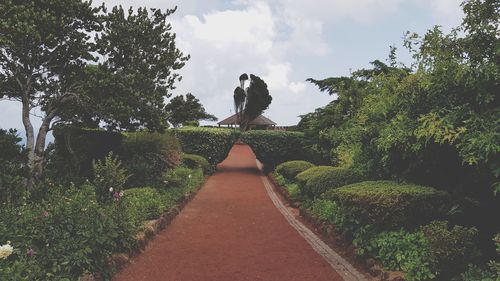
110,189
121,193
5,251
189,176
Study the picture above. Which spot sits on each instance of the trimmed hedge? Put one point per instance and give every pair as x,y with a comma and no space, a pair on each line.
389,204
212,143
304,176
145,155
75,148
193,161
275,147
291,169
322,180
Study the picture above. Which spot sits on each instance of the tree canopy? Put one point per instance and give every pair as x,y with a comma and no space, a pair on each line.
48,60
180,110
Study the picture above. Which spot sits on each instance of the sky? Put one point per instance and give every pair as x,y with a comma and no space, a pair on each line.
284,42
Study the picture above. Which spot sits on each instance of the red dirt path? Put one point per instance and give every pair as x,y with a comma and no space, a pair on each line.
230,231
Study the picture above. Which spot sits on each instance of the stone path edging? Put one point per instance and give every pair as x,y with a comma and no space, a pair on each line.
339,264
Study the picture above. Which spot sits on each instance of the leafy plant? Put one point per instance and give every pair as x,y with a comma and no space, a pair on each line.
405,251
194,161
109,178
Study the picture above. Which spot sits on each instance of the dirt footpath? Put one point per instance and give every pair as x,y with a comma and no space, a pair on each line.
230,231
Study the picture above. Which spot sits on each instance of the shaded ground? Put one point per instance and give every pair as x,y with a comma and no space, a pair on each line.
230,231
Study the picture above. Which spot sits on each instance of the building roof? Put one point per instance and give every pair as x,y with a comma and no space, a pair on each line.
259,120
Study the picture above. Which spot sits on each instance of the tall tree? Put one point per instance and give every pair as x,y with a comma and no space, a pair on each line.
250,102
43,48
180,110
127,90
45,51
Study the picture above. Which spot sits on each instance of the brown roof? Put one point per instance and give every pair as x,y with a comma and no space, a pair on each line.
259,120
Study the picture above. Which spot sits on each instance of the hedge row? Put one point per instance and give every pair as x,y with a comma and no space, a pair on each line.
389,204
212,143
275,147
146,156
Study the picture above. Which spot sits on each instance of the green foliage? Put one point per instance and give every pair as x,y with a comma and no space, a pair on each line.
290,169
109,178
475,273
12,170
177,178
145,202
71,234
147,156
193,161
388,204
75,149
322,180
404,251
180,111
127,89
213,144
451,248
275,147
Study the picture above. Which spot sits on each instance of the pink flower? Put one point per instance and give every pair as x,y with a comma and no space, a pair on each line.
45,214
30,252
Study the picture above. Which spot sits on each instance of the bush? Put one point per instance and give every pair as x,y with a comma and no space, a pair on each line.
109,178
65,237
451,248
75,149
183,178
291,169
389,204
193,161
304,176
404,251
275,147
147,156
145,202
326,179
212,143
12,168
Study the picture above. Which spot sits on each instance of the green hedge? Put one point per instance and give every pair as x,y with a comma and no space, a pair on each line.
146,156
290,169
275,147
212,143
326,179
304,176
389,204
194,161
75,148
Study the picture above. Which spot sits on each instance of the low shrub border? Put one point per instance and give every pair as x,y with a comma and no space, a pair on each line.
151,227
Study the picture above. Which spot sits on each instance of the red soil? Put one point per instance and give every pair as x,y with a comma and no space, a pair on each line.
230,231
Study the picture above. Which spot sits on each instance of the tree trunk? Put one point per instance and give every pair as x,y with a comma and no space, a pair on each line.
30,139
37,171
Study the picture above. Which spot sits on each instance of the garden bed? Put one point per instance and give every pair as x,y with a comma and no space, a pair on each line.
326,232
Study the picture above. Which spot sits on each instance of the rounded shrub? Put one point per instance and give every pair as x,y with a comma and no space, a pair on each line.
303,177
194,161
327,179
290,169
388,204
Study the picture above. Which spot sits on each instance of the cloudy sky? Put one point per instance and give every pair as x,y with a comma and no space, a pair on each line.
283,41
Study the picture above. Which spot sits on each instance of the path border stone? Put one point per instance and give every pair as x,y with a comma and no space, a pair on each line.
339,264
